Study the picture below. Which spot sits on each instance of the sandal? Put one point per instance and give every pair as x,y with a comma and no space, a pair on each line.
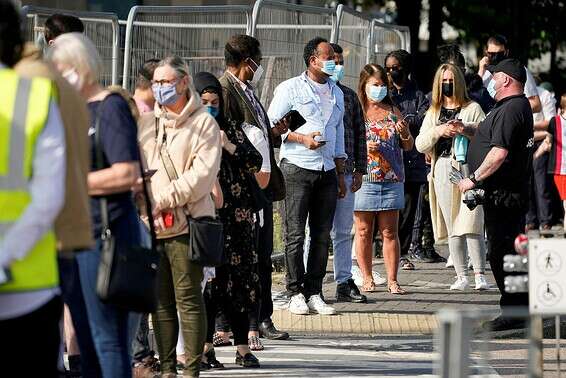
219,341
406,264
255,343
395,288
369,286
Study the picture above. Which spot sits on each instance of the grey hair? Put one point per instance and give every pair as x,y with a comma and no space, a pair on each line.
78,51
177,63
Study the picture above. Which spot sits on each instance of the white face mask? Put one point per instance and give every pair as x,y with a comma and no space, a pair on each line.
73,78
258,72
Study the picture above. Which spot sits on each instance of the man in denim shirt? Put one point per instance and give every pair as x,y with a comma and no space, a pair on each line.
312,161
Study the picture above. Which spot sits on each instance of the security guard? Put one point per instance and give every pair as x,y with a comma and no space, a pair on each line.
32,176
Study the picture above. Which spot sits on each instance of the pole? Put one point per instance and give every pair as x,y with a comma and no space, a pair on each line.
535,347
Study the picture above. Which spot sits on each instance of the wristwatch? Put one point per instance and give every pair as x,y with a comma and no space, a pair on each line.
472,178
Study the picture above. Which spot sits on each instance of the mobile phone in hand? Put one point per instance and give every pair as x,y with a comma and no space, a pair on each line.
149,173
320,141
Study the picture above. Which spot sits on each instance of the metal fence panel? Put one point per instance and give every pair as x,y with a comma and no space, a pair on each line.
386,38
354,36
283,30
195,33
101,27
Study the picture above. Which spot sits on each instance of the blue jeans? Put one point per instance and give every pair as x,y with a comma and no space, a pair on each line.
341,234
112,328
73,297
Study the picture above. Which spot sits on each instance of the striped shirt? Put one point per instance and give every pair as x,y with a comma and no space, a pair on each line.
557,158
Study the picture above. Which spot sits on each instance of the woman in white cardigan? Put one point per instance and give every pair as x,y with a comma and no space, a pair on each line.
451,218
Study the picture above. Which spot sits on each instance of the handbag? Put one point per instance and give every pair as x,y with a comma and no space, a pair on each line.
206,234
127,276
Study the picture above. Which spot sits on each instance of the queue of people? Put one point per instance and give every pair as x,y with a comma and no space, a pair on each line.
383,158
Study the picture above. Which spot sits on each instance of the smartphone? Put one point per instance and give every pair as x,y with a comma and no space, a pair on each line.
320,141
407,116
149,173
295,118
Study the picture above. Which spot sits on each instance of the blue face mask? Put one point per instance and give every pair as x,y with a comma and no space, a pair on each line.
328,67
491,88
376,92
165,94
461,147
338,73
213,111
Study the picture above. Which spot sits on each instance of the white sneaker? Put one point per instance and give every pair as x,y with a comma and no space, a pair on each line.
318,306
481,282
298,305
359,280
460,284
449,262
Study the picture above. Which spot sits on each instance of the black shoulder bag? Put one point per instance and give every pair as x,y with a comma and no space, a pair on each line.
127,277
206,234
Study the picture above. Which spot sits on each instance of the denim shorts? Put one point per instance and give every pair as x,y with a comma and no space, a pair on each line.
380,196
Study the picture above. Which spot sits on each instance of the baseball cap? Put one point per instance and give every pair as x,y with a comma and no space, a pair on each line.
511,67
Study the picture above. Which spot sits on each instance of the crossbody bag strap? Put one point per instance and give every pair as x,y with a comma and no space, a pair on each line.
99,164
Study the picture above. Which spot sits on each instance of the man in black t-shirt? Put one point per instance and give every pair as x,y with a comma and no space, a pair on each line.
499,156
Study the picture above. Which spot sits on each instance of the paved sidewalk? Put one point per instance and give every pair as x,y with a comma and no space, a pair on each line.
414,313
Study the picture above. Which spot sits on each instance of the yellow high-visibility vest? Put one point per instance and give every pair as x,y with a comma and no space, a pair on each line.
24,109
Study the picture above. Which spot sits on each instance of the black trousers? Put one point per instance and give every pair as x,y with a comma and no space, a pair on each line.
313,195
541,193
265,266
422,228
502,226
407,215
41,328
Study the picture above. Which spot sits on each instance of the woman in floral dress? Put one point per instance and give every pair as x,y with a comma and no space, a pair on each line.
381,196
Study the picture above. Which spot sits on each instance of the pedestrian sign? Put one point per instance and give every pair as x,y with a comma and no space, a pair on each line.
547,276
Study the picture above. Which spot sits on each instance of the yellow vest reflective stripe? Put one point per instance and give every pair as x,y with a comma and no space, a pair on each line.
24,109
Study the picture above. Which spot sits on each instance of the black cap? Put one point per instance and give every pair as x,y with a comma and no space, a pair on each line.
511,67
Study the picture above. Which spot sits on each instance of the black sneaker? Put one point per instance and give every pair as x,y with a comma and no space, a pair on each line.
418,254
431,252
247,361
349,292
504,324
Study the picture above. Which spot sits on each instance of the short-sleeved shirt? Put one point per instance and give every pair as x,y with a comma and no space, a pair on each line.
510,126
118,137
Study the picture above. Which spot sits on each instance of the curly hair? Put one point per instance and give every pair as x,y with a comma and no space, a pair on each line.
403,57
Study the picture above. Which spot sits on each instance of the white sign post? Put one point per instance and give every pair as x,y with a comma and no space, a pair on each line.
547,276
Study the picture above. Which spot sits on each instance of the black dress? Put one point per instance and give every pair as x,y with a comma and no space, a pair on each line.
238,282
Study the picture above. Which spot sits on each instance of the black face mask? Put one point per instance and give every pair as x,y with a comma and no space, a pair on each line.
448,89
495,58
398,76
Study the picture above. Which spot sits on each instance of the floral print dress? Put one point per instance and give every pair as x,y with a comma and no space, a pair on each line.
238,281
386,164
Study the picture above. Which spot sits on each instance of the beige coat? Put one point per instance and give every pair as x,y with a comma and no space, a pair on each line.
73,225
193,142
465,220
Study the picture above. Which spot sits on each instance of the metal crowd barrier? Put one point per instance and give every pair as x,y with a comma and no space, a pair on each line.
101,27
283,30
196,33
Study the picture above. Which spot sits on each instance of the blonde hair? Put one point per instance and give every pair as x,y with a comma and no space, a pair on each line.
77,51
460,93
